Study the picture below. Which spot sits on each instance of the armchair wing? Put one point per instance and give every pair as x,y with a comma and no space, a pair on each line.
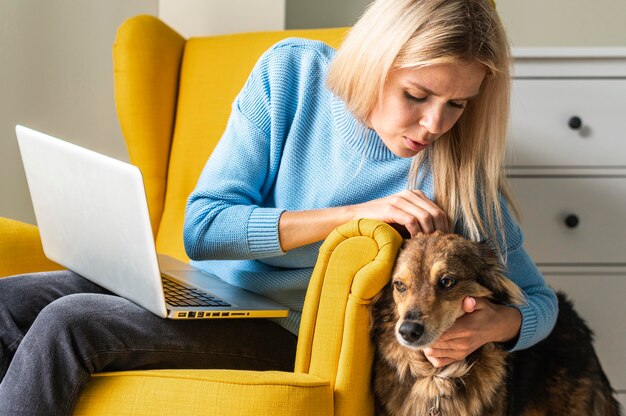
147,56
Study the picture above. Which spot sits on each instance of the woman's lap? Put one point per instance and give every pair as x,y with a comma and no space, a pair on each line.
60,325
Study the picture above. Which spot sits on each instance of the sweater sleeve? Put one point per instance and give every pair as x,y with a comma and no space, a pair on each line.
224,219
232,214
541,308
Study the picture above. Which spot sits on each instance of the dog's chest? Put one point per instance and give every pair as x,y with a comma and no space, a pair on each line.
451,406
460,389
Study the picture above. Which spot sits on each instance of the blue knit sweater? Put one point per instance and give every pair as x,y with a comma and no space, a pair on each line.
291,145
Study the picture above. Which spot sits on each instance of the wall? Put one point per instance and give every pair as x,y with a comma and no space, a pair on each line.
307,14
56,76
215,17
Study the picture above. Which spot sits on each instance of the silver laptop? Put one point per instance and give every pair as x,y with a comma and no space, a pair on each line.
93,218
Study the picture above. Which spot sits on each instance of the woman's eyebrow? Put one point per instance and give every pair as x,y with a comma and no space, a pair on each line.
431,92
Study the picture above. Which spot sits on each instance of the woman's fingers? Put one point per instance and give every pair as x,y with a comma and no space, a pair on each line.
409,208
441,357
417,213
425,212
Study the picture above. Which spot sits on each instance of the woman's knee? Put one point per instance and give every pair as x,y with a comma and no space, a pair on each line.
35,291
71,315
74,325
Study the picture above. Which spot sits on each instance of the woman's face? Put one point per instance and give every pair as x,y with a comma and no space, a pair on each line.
420,104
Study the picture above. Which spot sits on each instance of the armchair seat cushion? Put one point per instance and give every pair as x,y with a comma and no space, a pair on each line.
205,392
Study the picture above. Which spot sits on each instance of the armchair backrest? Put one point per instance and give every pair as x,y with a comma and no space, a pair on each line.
173,100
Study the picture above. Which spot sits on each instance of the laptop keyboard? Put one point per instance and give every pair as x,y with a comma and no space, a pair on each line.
180,295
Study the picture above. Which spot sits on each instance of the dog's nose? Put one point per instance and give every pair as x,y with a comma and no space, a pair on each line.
411,331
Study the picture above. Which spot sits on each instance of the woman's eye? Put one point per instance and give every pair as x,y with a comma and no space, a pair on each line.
447,282
414,98
399,286
457,105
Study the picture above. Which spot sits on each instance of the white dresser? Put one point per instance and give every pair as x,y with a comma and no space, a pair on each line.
567,169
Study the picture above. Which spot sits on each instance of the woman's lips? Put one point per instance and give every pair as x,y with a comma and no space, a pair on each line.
413,145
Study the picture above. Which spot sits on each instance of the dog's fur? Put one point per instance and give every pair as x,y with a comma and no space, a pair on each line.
559,376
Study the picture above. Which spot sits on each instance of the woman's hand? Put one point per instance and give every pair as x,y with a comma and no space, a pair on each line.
483,322
409,209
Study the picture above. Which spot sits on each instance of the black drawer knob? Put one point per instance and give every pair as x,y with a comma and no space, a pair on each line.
575,123
572,221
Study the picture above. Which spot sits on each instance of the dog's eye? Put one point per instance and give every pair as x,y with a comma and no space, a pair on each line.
400,287
447,282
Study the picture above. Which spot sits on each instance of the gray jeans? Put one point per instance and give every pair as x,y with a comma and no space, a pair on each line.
58,328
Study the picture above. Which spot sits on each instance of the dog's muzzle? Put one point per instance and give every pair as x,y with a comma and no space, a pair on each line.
410,331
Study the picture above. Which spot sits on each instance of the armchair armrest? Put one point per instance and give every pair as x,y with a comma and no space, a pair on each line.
354,264
205,392
21,250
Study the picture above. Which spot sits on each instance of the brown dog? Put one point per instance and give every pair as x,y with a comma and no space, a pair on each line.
433,274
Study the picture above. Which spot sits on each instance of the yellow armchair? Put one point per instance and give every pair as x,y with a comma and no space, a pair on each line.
173,99
21,250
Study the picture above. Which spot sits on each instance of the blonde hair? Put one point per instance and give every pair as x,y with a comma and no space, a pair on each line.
467,161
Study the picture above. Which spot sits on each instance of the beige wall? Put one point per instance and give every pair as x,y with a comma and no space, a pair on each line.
55,75
308,14
216,17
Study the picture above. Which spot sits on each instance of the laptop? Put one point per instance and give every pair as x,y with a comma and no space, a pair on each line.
93,219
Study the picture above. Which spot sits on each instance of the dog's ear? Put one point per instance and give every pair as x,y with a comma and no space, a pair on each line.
492,277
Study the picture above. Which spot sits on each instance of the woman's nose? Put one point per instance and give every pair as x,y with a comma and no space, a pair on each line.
433,119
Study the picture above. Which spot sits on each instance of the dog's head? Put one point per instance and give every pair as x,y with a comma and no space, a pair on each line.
433,274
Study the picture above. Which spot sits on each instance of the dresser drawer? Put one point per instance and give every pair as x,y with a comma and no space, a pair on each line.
539,134
573,220
600,302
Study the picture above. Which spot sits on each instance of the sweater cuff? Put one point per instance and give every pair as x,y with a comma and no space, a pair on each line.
528,329
263,232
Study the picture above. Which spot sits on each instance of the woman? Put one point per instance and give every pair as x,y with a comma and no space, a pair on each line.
299,159
417,95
